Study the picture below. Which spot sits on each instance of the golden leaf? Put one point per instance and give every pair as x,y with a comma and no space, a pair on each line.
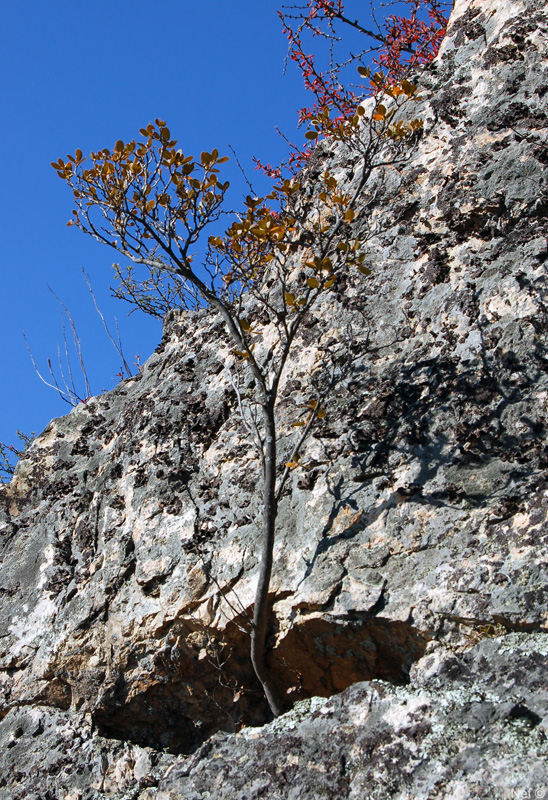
408,88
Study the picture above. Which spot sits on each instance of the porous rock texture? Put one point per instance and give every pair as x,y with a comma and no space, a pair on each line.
410,584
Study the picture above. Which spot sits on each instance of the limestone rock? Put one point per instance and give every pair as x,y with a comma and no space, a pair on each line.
459,730
417,525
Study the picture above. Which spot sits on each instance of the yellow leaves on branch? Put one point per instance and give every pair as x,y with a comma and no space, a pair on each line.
332,198
341,128
150,185
380,84
139,179
294,303
379,113
315,411
313,405
318,264
401,129
245,354
346,127
208,159
405,87
327,269
257,236
290,299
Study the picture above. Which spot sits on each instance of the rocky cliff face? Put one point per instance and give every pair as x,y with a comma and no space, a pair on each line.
410,585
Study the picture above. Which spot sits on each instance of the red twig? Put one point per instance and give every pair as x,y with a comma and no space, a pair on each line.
402,44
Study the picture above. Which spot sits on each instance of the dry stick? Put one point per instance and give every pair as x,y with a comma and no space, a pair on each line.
253,431
77,343
117,346
246,179
66,399
71,390
243,610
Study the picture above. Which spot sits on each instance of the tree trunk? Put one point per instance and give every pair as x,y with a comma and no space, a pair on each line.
261,614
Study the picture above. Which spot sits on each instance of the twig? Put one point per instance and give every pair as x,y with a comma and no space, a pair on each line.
64,396
117,345
77,343
246,179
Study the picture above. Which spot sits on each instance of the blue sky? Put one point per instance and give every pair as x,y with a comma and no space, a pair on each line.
84,75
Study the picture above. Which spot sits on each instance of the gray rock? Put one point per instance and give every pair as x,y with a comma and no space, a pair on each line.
46,753
469,725
414,533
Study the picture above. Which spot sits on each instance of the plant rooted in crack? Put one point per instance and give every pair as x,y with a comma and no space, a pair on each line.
263,275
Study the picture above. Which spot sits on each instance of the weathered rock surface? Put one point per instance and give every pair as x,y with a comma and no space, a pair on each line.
418,523
374,741
469,724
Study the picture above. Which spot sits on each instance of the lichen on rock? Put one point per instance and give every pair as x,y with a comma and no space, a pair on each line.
410,584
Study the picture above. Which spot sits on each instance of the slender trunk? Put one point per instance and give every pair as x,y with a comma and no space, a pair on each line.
261,614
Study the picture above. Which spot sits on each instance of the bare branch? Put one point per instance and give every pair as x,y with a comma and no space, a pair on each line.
117,344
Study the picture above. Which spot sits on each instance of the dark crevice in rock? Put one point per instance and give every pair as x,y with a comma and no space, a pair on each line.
175,697
203,684
523,714
324,657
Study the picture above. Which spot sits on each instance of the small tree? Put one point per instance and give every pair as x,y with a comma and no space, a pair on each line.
150,202
266,271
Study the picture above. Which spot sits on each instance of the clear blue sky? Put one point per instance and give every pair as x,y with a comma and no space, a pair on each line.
84,75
